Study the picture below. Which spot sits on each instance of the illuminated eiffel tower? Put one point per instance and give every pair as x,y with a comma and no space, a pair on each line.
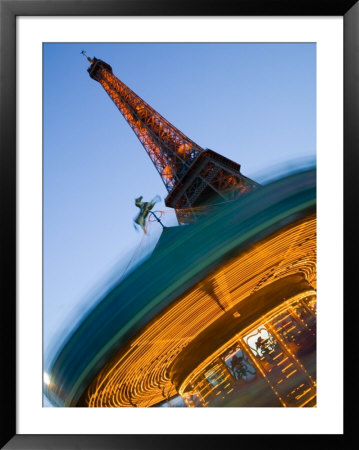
193,176
223,313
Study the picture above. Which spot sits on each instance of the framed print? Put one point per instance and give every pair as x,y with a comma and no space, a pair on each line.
159,289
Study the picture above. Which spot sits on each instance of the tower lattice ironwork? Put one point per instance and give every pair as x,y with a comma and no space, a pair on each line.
193,176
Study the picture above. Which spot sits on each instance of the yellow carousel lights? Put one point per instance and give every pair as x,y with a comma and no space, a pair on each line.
140,376
277,348
222,314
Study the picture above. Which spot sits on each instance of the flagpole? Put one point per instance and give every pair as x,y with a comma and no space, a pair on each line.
158,220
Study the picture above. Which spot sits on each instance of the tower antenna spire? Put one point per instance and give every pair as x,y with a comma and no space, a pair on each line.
87,57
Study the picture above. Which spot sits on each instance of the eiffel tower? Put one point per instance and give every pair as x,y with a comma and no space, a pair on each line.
193,176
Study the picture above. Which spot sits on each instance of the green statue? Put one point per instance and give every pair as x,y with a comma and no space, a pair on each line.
145,208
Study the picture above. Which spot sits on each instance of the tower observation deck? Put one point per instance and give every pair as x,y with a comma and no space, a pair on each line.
193,176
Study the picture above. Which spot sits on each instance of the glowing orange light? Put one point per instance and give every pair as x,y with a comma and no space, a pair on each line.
139,375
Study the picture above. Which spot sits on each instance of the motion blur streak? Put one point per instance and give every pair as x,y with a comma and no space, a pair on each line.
144,342
140,377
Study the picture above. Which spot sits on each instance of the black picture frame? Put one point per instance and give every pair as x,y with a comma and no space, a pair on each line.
9,10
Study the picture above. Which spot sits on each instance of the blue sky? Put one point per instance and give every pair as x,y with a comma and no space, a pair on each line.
253,103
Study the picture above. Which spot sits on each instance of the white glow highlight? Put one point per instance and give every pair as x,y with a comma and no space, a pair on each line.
46,378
